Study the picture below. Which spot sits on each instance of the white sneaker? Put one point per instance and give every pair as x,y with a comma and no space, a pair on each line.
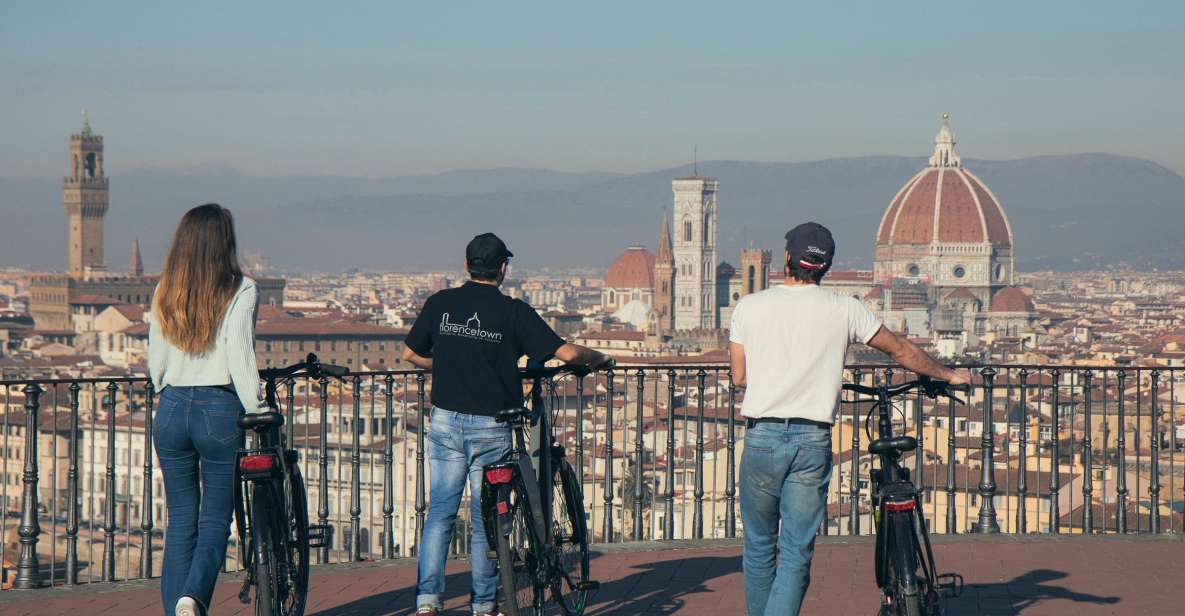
187,606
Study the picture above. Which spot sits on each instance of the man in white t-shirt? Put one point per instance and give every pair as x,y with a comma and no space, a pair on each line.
787,346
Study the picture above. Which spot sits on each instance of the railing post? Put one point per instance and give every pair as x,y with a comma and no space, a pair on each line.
580,431
323,468
730,490
697,520
607,497
854,466
388,470
987,523
638,462
669,530
1055,479
1022,474
421,497
952,519
1121,445
72,492
146,510
28,569
356,474
1087,461
290,383
1154,479
109,510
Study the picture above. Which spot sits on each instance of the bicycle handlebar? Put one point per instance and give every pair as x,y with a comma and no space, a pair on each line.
578,370
932,388
311,364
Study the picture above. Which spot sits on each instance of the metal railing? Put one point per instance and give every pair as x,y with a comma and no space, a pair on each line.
1038,449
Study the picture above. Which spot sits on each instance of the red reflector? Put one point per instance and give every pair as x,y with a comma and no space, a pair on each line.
900,506
500,475
256,463
503,508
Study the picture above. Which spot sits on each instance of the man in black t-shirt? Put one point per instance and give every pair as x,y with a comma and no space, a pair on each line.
472,338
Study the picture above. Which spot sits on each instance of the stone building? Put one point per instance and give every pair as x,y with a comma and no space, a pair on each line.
944,254
695,252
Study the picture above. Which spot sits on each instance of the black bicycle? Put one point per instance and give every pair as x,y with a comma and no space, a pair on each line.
902,540
271,511
535,523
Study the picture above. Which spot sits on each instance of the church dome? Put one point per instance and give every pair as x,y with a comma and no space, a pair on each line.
634,269
944,203
1012,299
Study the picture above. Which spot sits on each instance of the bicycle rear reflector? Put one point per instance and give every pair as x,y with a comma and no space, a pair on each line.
899,506
498,476
257,463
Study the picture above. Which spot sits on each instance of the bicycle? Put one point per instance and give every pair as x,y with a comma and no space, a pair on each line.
535,523
271,511
902,539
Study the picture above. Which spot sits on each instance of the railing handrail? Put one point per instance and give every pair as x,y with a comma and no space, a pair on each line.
715,366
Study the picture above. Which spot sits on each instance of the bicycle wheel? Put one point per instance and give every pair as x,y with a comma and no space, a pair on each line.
570,541
295,562
904,587
518,559
263,540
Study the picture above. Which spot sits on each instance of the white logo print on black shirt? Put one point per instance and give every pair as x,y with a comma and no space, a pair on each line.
471,329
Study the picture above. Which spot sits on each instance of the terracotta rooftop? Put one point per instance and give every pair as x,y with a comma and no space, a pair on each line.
634,269
1012,299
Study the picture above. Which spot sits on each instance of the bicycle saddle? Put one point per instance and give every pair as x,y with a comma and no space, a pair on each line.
898,443
260,421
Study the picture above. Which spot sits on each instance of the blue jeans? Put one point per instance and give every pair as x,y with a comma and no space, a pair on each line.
459,445
196,434
785,470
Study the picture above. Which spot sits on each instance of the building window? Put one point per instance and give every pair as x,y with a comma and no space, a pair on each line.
960,271
686,230
914,270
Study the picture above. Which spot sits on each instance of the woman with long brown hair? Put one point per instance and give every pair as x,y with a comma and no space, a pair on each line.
201,357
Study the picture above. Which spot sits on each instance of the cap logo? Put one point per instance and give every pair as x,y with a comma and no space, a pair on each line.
816,250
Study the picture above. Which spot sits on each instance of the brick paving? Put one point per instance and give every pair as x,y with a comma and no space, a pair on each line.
1032,576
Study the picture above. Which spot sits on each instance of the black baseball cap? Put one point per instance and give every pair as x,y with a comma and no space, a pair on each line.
487,250
811,245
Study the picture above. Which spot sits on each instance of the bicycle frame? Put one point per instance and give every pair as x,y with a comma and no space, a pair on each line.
536,486
897,504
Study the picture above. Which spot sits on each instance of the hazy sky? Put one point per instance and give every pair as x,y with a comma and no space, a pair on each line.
386,88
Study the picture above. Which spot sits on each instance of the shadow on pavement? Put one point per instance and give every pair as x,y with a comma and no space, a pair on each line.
660,587
1018,594
653,588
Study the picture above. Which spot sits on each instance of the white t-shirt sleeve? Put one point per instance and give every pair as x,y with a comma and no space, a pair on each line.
862,323
736,328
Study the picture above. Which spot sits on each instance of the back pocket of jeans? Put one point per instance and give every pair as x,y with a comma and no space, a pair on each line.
222,424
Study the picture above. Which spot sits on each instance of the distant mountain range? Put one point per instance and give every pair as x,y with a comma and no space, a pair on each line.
1067,212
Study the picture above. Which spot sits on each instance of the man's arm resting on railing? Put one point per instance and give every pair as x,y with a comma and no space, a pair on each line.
418,361
575,354
913,358
736,361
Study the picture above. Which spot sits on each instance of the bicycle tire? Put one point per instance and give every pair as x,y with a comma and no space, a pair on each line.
570,541
517,557
901,565
262,539
297,558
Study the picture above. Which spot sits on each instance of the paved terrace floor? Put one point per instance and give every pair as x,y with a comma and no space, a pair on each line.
1005,575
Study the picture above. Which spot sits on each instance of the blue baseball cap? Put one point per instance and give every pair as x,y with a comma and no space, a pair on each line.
811,246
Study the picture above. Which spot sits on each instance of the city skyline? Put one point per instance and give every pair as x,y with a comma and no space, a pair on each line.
415,90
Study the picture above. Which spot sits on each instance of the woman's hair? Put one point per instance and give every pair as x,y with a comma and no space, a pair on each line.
200,276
